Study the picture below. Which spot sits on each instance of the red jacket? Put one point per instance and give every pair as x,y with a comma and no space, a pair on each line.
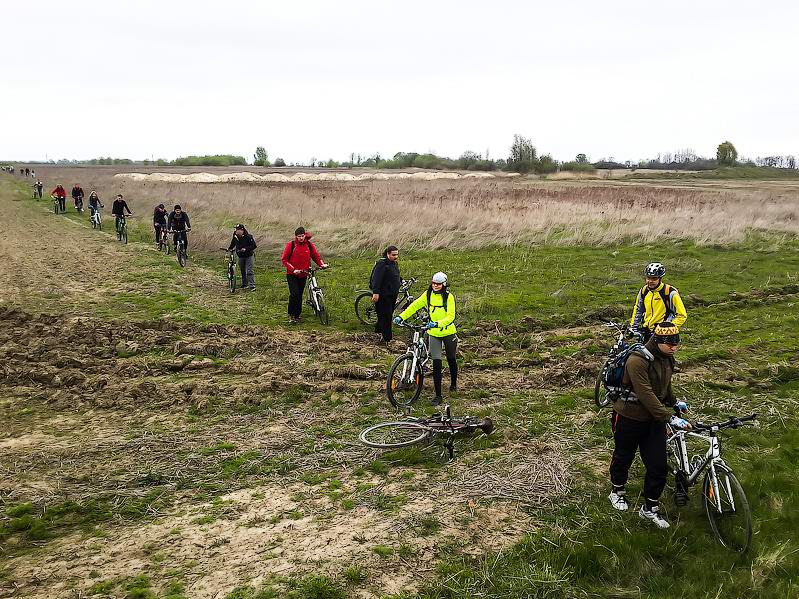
300,258
59,193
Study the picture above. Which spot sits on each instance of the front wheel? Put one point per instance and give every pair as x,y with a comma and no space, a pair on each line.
392,435
125,234
181,256
601,398
94,223
321,309
727,509
365,308
231,280
404,387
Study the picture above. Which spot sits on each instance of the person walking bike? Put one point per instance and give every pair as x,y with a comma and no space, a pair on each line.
440,304
296,258
656,302
38,187
245,245
118,209
159,222
179,224
385,284
61,195
639,418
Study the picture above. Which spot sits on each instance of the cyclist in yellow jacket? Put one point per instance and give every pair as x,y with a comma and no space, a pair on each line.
657,302
440,304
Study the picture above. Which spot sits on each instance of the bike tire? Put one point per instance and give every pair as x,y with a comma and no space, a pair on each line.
125,234
322,309
165,248
601,398
231,280
55,208
732,527
181,257
94,224
365,308
403,394
393,435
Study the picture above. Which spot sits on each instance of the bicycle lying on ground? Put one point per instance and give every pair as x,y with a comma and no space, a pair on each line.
316,297
180,246
365,307
626,334
230,261
406,375
393,435
722,495
96,219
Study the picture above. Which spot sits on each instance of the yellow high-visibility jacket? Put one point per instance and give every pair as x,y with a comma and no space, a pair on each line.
661,304
444,317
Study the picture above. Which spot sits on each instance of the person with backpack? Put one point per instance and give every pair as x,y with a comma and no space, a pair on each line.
440,304
656,302
245,245
385,284
296,259
639,419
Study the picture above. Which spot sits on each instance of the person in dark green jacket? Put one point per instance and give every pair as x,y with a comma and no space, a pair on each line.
440,304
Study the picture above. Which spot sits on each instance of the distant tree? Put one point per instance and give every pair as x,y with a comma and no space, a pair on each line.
791,161
581,159
726,154
546,164
261,157
331,163
523,155
280,162
467,159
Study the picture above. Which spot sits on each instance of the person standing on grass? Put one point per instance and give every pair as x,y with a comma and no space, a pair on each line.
384,284
296,258
440,304
38,187
245,245
61,194
159,221
656,302
639,422
180,225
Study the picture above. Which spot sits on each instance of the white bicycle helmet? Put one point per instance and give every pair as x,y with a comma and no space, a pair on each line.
655,269
440,277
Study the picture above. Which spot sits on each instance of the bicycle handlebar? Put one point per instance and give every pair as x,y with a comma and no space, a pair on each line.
733,422
415,327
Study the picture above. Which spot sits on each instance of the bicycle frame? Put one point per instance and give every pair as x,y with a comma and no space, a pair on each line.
95,216
313,289
420,352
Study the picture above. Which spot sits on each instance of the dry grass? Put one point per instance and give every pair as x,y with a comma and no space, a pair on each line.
363,216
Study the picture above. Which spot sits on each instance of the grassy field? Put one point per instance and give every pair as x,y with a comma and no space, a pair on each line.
166,439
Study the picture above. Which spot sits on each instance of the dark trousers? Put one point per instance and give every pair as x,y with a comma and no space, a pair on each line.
296,287
246,267
158,228
384,308
181,235
451,351
62,204
648,437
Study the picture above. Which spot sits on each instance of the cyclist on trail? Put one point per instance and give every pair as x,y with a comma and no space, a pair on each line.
38,187
61,194
384,284
77,196
118,210
244,245
180,224
296,258
656,302
94,203
440,304
159,221
639,421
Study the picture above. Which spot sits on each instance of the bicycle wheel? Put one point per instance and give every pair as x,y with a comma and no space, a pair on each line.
55,207
181,256
732,523
601,398
94,223
231,280
125,233
390,435
365,308
165,247
321,311
403,387
100,224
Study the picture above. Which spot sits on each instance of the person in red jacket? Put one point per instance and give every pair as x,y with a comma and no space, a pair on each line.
297,258
60,193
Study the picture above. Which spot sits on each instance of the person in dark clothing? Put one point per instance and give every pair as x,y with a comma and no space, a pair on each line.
118,209
244,245
77,197
159,221
38,187
384,284
296,258
179,224
639,422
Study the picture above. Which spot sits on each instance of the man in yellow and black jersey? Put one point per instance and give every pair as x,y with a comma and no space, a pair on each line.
657,302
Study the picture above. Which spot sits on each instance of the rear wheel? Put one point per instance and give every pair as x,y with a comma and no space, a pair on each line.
404,387
365,308
391,435
601,398
727,509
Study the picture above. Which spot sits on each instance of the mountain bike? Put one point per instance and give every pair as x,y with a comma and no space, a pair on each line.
96,220
722,495
163,240
79,204
122,227
180,246
626,334
230,261
56,205
393,435
406,375
365,307
316,298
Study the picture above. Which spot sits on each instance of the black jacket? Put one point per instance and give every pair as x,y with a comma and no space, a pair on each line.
119,206
385,277
159,217
245,245
179,223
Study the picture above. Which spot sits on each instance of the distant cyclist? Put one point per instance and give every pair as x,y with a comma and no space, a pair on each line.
159,221
179,223
118,209
94,203
61,195
77,196
657,302
245,245
440,304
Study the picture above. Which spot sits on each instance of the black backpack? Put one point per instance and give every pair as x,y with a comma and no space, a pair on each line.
613,372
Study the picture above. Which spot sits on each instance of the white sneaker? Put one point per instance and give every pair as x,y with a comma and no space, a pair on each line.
654,516
618,501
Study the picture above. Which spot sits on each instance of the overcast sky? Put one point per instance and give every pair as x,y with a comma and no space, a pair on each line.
143,79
